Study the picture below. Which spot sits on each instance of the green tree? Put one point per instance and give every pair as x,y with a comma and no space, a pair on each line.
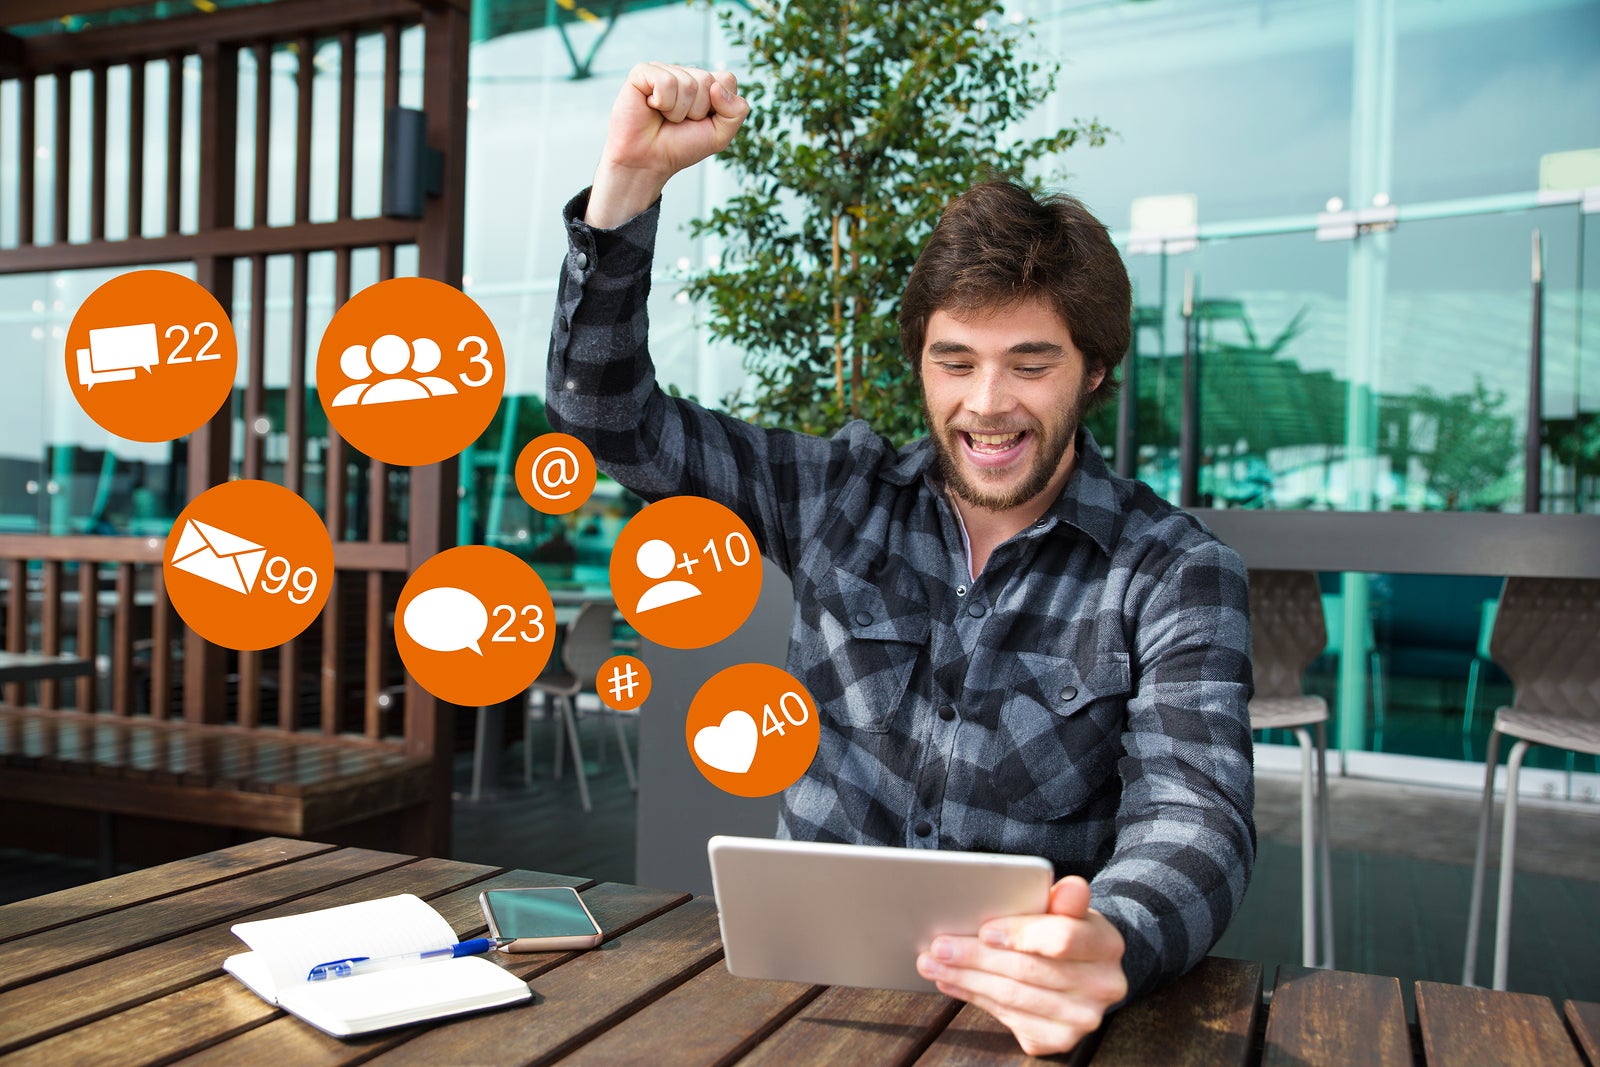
1475,444
866,119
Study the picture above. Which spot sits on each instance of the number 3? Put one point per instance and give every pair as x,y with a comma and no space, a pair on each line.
480,359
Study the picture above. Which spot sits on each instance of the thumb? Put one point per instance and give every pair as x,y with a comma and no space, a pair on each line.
728,111
1070,897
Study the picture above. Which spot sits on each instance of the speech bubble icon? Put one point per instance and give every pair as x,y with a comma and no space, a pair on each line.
116,352
446,619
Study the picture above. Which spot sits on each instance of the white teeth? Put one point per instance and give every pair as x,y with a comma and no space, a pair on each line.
991,440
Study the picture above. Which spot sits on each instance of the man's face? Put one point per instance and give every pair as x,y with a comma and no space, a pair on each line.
1003,392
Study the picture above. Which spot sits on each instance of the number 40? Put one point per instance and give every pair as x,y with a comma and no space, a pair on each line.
771,724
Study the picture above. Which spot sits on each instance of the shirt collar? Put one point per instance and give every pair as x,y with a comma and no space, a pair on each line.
1090,502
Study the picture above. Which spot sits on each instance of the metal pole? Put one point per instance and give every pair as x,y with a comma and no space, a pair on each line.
1189,428
1534,438
1128,411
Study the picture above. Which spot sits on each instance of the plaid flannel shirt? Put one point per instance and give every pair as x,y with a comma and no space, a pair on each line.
1082,699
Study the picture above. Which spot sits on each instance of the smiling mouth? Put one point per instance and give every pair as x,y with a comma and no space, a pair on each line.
993,444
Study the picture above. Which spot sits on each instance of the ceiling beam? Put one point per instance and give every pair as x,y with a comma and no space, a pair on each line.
24,12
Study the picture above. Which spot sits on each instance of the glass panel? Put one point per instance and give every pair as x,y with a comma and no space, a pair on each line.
1572,317
1526,71
59,472
1453,379
1196,96
1270,327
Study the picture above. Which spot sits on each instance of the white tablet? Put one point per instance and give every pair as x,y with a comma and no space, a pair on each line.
858,915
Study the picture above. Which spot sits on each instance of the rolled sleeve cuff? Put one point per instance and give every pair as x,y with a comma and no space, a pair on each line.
1141,963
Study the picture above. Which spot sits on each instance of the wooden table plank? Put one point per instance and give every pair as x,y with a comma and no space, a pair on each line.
1336,1018
1491,1029
167,1027
975,1038
714,1018
1585,1022
578,1000
97,898
846,1025
194,1018
1206,1017
52,1005
521,1028
27,959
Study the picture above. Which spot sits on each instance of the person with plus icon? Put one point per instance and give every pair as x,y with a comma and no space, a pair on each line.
1012,649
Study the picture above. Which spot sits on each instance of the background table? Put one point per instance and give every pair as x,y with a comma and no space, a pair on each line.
128,971
37,667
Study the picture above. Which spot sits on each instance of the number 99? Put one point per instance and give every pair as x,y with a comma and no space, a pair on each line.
301,580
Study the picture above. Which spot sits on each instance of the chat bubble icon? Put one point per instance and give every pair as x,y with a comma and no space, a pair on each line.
116,352
446,619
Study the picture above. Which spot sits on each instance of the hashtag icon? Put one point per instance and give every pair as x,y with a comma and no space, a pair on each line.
624,682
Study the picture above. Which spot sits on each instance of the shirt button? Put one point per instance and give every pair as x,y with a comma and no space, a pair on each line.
976,611
571,384
1069,692
580,260
863,619
1041,522
947,713
961,590
923,828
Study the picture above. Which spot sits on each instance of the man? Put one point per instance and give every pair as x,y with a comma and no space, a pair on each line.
1013,650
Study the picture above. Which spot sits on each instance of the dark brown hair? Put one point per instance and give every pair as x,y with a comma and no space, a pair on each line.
997,244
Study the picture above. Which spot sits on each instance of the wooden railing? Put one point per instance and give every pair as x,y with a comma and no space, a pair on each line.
404,516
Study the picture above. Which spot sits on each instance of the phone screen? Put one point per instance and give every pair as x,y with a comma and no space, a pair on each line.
539,913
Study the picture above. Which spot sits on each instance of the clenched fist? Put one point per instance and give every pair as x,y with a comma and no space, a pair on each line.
665,119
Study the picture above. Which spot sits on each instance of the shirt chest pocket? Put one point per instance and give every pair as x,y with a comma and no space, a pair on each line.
866,651
1060,732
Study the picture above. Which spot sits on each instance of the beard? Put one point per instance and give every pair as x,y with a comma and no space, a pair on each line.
1051,444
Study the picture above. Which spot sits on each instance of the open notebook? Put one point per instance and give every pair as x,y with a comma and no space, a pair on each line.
285,950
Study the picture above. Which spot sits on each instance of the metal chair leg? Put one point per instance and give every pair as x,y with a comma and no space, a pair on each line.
577,753
1508,848
627,757
560,727
1308,853
1469,965
1324,837
1472,704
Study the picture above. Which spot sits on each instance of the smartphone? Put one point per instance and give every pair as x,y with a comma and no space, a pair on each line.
541,920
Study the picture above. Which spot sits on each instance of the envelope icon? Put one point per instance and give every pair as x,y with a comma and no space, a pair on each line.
218,556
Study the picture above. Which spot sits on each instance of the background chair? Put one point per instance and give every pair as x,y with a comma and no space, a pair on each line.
1547,638
586,645
1287,633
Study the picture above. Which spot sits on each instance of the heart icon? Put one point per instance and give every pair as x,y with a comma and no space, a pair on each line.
730,747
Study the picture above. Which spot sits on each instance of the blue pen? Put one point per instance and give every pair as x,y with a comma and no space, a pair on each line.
363,964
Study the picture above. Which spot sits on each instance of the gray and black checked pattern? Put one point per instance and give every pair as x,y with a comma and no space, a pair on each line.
1083,699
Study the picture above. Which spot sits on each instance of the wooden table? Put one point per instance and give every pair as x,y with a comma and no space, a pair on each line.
128,971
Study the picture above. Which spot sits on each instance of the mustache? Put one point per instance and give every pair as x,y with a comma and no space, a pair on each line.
991,430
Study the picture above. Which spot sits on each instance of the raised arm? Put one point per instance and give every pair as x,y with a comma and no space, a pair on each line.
601,385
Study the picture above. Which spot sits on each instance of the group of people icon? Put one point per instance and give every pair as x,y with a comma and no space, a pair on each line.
389,358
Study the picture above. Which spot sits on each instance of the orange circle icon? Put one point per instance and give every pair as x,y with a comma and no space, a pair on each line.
752,730
685,572
248,564
555,473
151,355
474,625
623,682
410,371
